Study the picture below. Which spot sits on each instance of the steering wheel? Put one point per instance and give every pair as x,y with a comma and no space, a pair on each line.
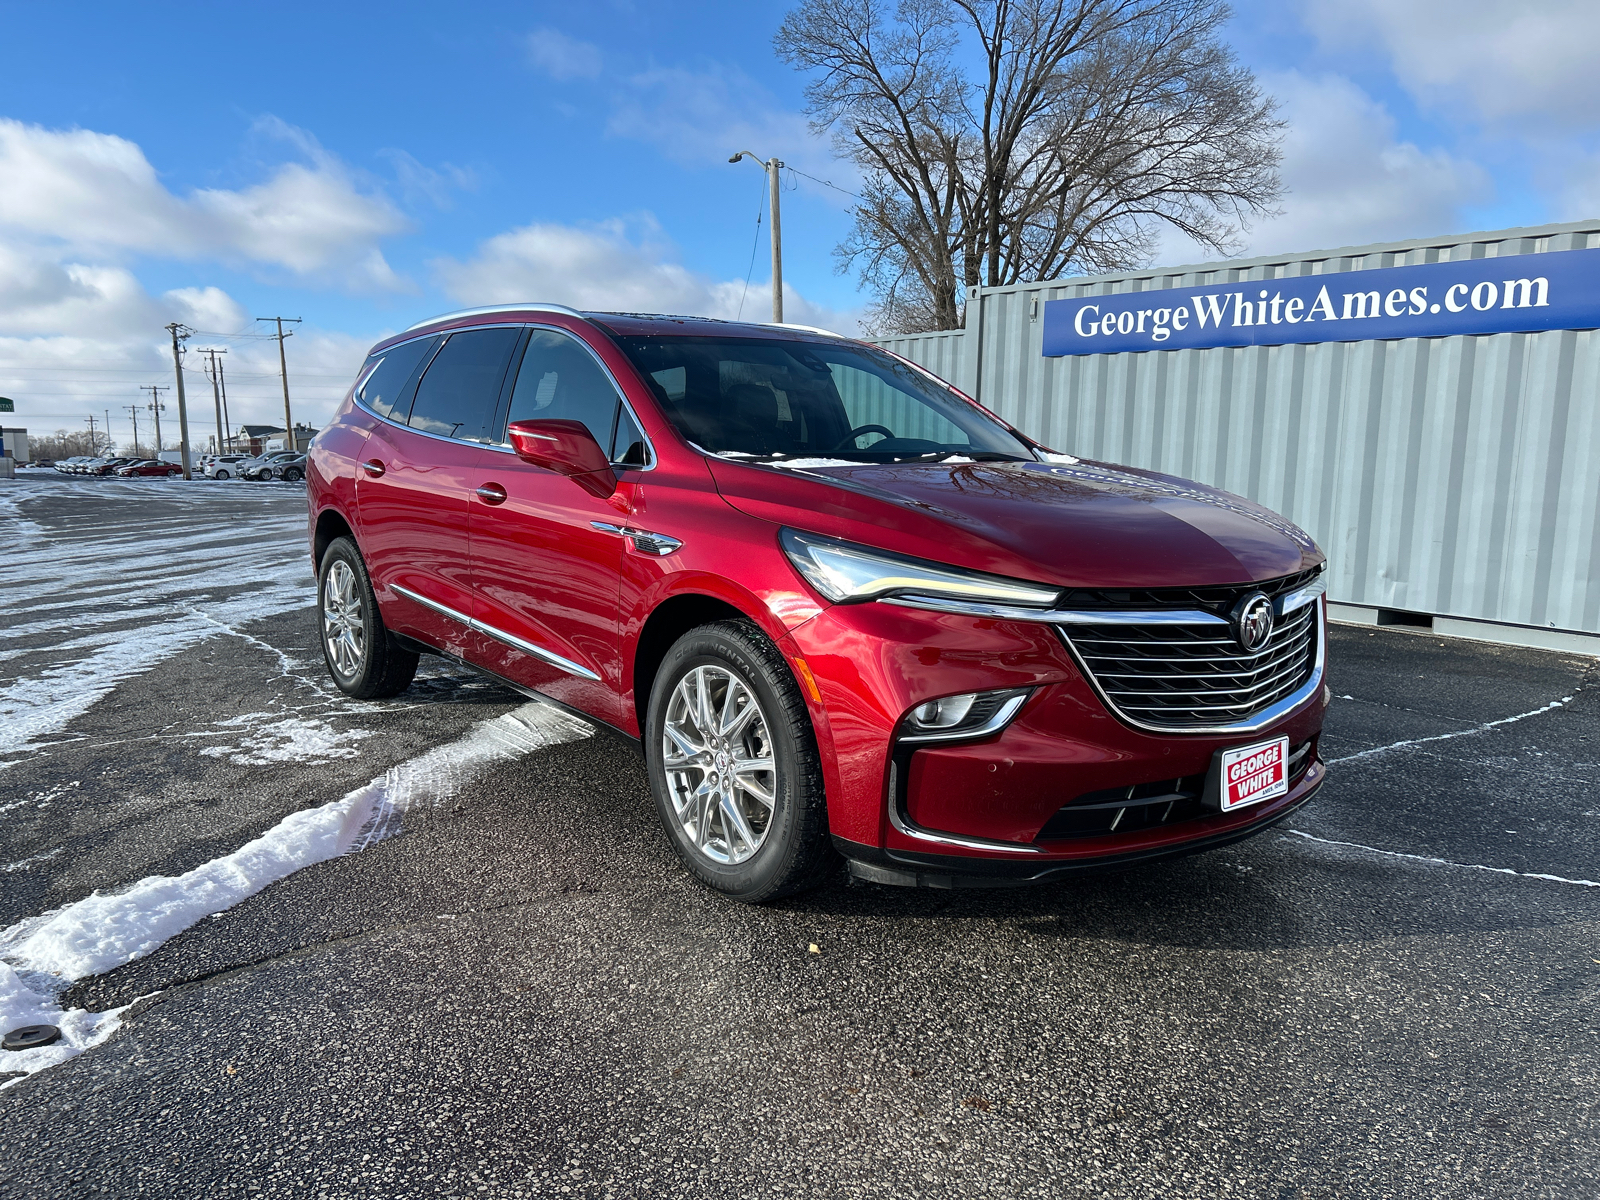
858,431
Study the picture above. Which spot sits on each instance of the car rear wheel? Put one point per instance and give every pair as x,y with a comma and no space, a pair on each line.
220,475
734,765
362,656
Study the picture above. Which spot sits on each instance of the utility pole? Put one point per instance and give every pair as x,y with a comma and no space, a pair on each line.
94,442
183,410
773,167
283,367
108,431
133,411
216,390
156,407
222,378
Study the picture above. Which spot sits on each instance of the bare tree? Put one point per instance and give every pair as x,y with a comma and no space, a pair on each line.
1005,140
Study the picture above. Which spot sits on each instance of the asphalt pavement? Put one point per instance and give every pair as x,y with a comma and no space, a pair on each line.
518,992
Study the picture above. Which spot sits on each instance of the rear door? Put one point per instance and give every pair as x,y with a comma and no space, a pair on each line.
416,476
547,580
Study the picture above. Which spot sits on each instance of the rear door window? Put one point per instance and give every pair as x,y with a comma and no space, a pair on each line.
560,380
459,393
385,376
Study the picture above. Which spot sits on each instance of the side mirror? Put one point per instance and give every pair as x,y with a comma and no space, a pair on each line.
567,448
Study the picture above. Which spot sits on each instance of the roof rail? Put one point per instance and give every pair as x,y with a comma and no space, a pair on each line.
531,306
806,328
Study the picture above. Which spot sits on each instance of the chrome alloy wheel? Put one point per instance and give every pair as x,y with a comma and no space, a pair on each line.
343,628
721,773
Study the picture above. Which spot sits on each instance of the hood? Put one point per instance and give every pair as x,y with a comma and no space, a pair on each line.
1084,524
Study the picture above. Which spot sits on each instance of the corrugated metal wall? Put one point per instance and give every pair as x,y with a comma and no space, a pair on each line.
1455,476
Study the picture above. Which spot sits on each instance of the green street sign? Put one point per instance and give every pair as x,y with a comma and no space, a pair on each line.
6,405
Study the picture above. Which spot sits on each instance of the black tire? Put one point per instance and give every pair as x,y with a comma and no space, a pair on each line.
220,475
383,667
795,853
291,476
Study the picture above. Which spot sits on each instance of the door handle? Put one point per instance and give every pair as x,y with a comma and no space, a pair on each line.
492,493
372,467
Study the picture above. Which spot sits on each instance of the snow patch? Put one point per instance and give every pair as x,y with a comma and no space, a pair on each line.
1050,456
802,464
290,739
41,955
80,1029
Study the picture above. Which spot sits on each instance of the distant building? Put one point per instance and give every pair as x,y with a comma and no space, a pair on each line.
15,442
265,439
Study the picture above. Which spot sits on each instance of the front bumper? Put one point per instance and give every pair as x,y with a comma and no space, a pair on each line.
911,868
985,809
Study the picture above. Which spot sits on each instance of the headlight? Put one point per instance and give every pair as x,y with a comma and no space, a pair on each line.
844,571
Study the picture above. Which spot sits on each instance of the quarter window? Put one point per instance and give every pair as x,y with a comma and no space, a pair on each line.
458,396
386,374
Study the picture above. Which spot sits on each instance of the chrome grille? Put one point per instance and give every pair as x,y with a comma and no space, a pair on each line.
1190,676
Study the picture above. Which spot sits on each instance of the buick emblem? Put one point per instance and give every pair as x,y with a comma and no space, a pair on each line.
1252,621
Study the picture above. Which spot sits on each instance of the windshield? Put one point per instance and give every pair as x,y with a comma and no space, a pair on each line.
768,399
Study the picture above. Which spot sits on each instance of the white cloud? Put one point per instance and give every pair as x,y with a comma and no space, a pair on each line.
96,193
1499,59
562,57
617,265
1350,180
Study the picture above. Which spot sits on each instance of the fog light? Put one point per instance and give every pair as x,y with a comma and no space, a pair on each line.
963,717
945,713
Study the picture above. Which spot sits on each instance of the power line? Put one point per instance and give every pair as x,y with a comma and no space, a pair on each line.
755,244
826,183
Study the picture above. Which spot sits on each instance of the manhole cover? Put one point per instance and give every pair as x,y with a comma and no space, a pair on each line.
30,1037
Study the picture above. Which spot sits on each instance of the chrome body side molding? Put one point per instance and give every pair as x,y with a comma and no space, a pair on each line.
499,635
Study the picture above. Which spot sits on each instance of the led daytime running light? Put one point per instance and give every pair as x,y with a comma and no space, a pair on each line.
845,572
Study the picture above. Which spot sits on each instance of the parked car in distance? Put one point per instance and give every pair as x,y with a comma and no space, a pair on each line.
66,465
150,467
290,470
845,610
261,466
224,466
108,466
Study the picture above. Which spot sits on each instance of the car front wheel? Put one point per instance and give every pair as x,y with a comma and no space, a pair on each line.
734,765
362,656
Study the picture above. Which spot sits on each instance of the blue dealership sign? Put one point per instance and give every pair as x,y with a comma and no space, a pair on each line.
1518,293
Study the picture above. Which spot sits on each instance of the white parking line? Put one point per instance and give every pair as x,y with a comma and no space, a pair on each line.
1444,862
1460,733
41,956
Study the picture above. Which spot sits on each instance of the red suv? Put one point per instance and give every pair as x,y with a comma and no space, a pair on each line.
844,609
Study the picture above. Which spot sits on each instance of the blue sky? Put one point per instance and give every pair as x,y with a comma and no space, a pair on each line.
364,166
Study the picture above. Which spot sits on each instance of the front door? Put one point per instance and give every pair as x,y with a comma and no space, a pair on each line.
415,483
547,580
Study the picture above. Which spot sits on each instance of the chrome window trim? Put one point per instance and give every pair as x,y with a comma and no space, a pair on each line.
1261,720
649,445
499,635
1001,718
622,396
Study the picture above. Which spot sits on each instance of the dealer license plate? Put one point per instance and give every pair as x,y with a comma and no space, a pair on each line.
1251,774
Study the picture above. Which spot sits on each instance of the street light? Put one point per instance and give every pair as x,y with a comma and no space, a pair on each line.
772,166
